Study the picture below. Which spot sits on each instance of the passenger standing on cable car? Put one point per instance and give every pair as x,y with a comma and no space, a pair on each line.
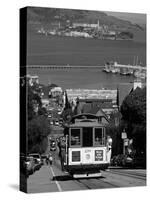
62,152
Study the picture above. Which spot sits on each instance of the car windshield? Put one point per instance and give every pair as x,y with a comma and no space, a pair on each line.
29,158
35,155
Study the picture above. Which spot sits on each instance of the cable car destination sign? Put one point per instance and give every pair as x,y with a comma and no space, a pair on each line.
98,155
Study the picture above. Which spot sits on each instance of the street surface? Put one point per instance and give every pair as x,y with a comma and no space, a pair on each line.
52,179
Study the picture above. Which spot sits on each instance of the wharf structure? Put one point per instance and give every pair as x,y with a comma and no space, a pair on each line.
64,67
137,71
116,65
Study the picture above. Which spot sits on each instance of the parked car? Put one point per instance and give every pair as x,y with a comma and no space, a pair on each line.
51,123
27,165
43,157
61,121
37,159
56,123
30,165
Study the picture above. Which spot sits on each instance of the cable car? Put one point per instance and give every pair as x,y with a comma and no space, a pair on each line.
87,149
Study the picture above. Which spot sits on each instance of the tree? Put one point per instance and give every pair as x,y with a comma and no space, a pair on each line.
38,125
133,110
38,130
67,114
126,35
33,99
113,129
67,103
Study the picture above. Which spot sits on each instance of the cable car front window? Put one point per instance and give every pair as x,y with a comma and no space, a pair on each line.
75,137
99,139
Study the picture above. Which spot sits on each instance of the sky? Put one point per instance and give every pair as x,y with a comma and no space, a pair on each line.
132,17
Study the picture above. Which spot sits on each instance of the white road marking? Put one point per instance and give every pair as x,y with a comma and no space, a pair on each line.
57,183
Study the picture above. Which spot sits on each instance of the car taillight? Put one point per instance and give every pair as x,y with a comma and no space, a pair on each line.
75,156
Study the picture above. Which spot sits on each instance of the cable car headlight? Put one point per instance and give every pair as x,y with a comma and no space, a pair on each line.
109,141
87,156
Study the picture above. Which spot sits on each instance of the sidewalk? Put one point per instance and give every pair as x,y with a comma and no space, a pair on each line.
41,181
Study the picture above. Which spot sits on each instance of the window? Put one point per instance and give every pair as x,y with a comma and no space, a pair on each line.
75,137
87,136
75,156
99,138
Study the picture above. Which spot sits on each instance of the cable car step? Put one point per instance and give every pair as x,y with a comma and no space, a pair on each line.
87,175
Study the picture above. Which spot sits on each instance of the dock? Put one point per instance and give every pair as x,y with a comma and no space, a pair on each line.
84,67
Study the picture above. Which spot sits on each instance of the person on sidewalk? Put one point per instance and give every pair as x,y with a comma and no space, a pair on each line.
47,159
50,159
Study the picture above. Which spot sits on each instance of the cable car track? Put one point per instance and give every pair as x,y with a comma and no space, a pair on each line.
96,183
128,174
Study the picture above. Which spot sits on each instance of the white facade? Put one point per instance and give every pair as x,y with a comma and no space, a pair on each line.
56,91
72,94
77,34
84,25
137,83
33,79
45,102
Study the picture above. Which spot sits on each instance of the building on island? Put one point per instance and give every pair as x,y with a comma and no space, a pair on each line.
56,91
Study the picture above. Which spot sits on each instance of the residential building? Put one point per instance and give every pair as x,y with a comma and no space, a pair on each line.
56,91
96,106
73,94
32,79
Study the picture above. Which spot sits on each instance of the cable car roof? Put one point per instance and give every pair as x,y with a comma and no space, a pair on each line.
85,124
84,116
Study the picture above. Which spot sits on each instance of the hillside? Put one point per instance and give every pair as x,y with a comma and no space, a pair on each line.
43,17
47,15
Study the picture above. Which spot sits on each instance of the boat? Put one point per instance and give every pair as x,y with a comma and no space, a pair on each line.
107,68
139,74
122,69
114,67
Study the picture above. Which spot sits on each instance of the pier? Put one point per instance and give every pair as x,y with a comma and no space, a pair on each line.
64,67
84,67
